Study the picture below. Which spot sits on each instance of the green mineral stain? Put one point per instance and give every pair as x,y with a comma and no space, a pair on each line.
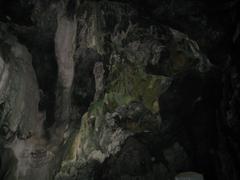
131,83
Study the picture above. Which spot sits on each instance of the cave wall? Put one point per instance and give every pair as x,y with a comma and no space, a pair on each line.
119,89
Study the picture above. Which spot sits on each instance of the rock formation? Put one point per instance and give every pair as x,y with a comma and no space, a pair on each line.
119,90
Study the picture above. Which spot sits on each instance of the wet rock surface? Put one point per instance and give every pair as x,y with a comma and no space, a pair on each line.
119,90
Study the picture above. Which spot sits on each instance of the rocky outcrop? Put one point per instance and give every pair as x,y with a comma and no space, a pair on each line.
128,105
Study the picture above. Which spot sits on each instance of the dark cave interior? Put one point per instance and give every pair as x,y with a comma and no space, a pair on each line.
199,111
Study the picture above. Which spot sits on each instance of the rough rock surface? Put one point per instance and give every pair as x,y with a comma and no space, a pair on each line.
21,121
130,102
118,90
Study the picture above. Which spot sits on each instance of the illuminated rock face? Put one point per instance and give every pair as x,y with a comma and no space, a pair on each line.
21,122
18,82
126,101
125,104
103,91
